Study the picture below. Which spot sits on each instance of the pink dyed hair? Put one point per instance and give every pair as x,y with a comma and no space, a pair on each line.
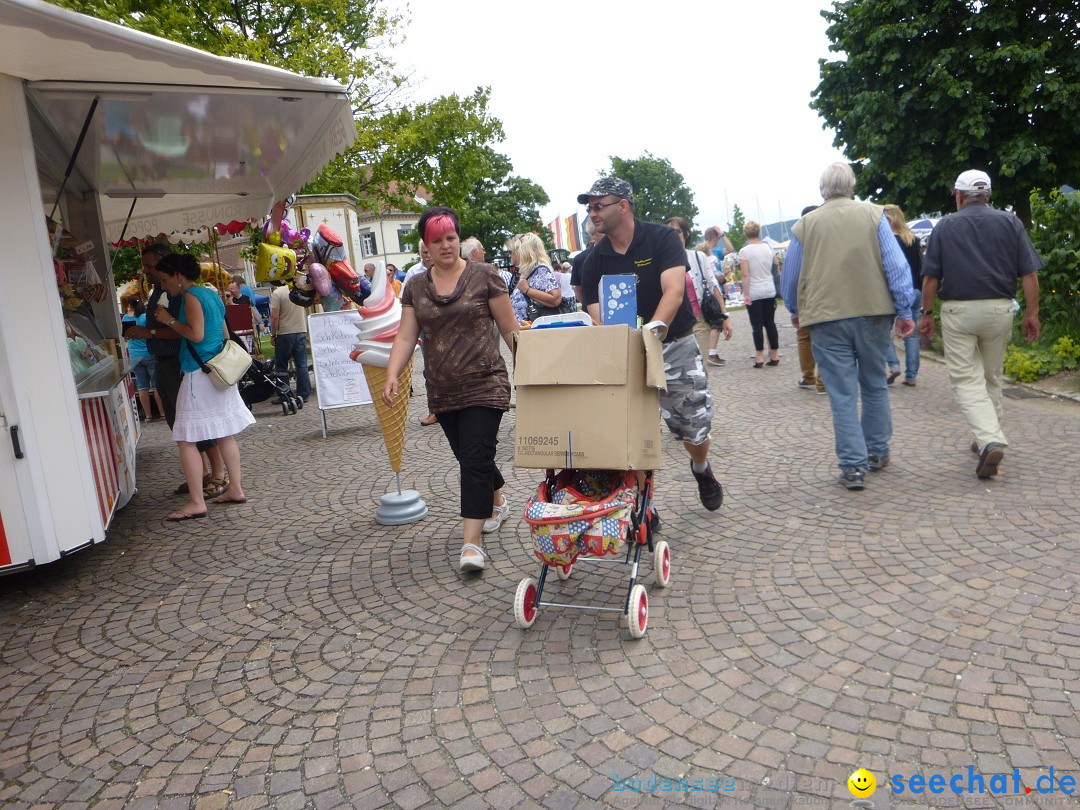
438,225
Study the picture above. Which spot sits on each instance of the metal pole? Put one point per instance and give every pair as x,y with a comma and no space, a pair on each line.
397,479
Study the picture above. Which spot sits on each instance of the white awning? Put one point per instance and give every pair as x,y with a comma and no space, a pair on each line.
195,139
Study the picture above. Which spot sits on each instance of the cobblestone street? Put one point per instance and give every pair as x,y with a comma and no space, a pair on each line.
292,653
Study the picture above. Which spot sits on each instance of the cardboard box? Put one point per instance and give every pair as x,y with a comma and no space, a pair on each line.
618,300
587,398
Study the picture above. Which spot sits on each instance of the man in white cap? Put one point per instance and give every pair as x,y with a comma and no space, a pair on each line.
975,257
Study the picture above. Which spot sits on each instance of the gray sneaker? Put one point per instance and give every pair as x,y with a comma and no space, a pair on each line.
878,462
853,478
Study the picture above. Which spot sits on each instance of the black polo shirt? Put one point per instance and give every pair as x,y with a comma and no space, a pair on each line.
161,347
578,264
978,253
654,249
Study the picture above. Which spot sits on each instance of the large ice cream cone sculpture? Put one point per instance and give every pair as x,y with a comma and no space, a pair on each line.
378,326
392,418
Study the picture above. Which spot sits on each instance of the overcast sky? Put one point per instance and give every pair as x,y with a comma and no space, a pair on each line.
719,89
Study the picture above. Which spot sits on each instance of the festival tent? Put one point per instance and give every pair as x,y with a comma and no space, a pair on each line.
99,123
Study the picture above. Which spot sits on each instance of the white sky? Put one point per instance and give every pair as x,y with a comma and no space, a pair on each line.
719,89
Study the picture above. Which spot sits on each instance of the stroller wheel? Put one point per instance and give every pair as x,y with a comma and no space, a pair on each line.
637,617
292,406
525,609
661,564
299,404
284,409
564,573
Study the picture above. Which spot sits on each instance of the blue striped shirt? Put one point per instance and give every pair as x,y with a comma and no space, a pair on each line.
897,272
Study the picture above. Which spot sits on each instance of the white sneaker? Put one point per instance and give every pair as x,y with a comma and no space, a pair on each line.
501,512
473,558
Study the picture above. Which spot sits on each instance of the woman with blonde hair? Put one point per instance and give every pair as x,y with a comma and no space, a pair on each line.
909,244
537,281
757,260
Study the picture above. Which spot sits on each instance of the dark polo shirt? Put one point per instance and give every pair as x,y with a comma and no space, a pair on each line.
654,249
978,253
159,347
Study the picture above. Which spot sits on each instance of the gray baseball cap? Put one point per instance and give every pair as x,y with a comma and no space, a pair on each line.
608,185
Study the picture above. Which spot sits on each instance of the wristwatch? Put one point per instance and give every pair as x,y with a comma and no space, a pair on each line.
153,333
172,322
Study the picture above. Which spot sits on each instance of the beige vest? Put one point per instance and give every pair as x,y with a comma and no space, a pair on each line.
842,275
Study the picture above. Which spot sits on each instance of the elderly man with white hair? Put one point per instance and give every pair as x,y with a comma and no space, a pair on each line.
846,279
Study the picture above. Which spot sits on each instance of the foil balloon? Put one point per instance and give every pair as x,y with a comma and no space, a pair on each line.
320,278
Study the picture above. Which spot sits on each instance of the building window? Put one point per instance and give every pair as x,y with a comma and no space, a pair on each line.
406,238
368,247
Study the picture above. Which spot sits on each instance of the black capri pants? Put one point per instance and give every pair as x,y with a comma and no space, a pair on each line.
762,312
473,434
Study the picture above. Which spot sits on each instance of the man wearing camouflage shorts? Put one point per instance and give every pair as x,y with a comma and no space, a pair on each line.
655,255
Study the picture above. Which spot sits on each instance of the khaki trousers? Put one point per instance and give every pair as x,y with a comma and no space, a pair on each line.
807,364
701,334
975,334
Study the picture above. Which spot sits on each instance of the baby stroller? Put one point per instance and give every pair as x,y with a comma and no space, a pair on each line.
587,515
261,382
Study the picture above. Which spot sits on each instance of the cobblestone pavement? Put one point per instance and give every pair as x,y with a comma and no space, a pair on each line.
293,653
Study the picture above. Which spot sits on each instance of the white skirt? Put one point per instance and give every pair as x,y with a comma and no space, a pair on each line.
203,411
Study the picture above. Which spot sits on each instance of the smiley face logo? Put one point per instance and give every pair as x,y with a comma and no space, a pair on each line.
862,784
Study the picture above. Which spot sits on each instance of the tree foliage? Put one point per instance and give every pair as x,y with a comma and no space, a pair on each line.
660,192
501,205
1056,236
439,148
735,228
927,90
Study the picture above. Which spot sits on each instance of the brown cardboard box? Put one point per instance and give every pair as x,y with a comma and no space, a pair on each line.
587,398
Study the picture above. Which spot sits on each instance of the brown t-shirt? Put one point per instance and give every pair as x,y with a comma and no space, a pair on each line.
462,363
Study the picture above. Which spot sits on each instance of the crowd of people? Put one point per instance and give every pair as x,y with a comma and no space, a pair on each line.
854,274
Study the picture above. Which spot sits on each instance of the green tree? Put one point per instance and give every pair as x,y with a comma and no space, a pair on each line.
500,206
439,148
660,192
926,90
735,228
1057,239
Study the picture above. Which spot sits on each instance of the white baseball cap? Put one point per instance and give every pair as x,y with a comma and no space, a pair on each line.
972,180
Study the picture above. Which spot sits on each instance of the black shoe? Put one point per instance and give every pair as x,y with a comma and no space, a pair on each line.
853,478
709,489
892,376
878,462
989,459
806,386
975,448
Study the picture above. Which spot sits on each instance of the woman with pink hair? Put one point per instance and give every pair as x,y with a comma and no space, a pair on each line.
468,388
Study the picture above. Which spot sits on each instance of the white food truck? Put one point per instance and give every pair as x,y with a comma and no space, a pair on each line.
104,132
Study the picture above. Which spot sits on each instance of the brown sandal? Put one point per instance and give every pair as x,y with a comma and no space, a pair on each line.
183,488
215,487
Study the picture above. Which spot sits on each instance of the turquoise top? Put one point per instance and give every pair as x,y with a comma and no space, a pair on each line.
137,348
213,318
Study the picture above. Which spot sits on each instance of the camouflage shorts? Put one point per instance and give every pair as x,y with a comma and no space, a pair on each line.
687,404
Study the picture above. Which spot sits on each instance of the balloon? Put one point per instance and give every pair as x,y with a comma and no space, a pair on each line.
320,278
274,239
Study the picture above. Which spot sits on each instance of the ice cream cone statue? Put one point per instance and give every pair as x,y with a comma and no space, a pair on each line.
378,327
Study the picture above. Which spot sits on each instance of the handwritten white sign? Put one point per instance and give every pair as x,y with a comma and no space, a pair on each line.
339,381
